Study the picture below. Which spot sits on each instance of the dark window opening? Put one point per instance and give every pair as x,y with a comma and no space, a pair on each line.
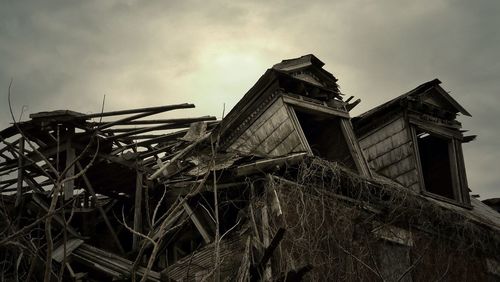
326,138
436,164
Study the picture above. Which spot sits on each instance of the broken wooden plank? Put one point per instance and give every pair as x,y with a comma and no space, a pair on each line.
59,254
264,165
137,211
109,263
140,110
20,173
164,121
69,185
130,132
176,157
206,236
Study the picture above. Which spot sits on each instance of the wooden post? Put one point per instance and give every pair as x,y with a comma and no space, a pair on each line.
20,172
70,158
91,190
266,237
137,210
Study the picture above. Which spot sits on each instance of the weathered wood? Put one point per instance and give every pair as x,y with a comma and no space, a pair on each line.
69,185
137,211
279,133
128,119
382,132
298,128
314,107
392,156
172,120
436,128
134,131
140,110
109,263
386,145
20,173
455,177
266,115
402,167
204,233
464,186
91,190
59,253
354,148
33,157
41,203
183,152
287,145
154,140
409,179
244,269
263,165
255,134
266,240
199,265
269,132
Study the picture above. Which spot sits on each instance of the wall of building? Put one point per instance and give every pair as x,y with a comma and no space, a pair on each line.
389,151
272,134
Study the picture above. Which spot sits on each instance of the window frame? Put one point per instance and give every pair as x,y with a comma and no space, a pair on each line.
457,167
320,108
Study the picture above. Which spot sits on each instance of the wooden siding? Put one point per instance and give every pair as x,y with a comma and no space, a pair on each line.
200,264
389,151
272,134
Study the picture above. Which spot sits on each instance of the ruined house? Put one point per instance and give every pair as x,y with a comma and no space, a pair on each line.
286,187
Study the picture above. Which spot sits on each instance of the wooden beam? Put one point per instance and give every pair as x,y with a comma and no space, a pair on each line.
206,237
90,189
164,121
41,203
129,119
262,166
69,186
33,157
317,108
153,140
140,110
137,210
20,172
179,155
146,129
353,145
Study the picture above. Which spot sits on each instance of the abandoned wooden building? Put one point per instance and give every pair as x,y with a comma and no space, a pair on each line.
286,187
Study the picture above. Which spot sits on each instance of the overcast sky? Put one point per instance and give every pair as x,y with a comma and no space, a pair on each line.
69,54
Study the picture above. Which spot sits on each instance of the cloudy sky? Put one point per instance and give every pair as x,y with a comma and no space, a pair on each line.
69,54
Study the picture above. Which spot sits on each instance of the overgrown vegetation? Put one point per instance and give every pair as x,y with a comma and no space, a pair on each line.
332,218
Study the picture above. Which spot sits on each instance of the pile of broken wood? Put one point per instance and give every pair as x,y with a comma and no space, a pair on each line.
84,197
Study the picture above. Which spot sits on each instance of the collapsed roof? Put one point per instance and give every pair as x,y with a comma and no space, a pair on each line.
128,198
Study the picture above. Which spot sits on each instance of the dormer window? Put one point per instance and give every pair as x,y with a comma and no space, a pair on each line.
325,137
436,157
416,141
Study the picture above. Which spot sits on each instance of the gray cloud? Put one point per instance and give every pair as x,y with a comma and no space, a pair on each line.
68,54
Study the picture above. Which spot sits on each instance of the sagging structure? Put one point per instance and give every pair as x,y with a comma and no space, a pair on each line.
287,187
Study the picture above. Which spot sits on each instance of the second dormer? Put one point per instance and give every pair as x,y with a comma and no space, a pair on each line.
416,140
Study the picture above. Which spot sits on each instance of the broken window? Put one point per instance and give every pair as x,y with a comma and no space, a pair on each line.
437,163
325,137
